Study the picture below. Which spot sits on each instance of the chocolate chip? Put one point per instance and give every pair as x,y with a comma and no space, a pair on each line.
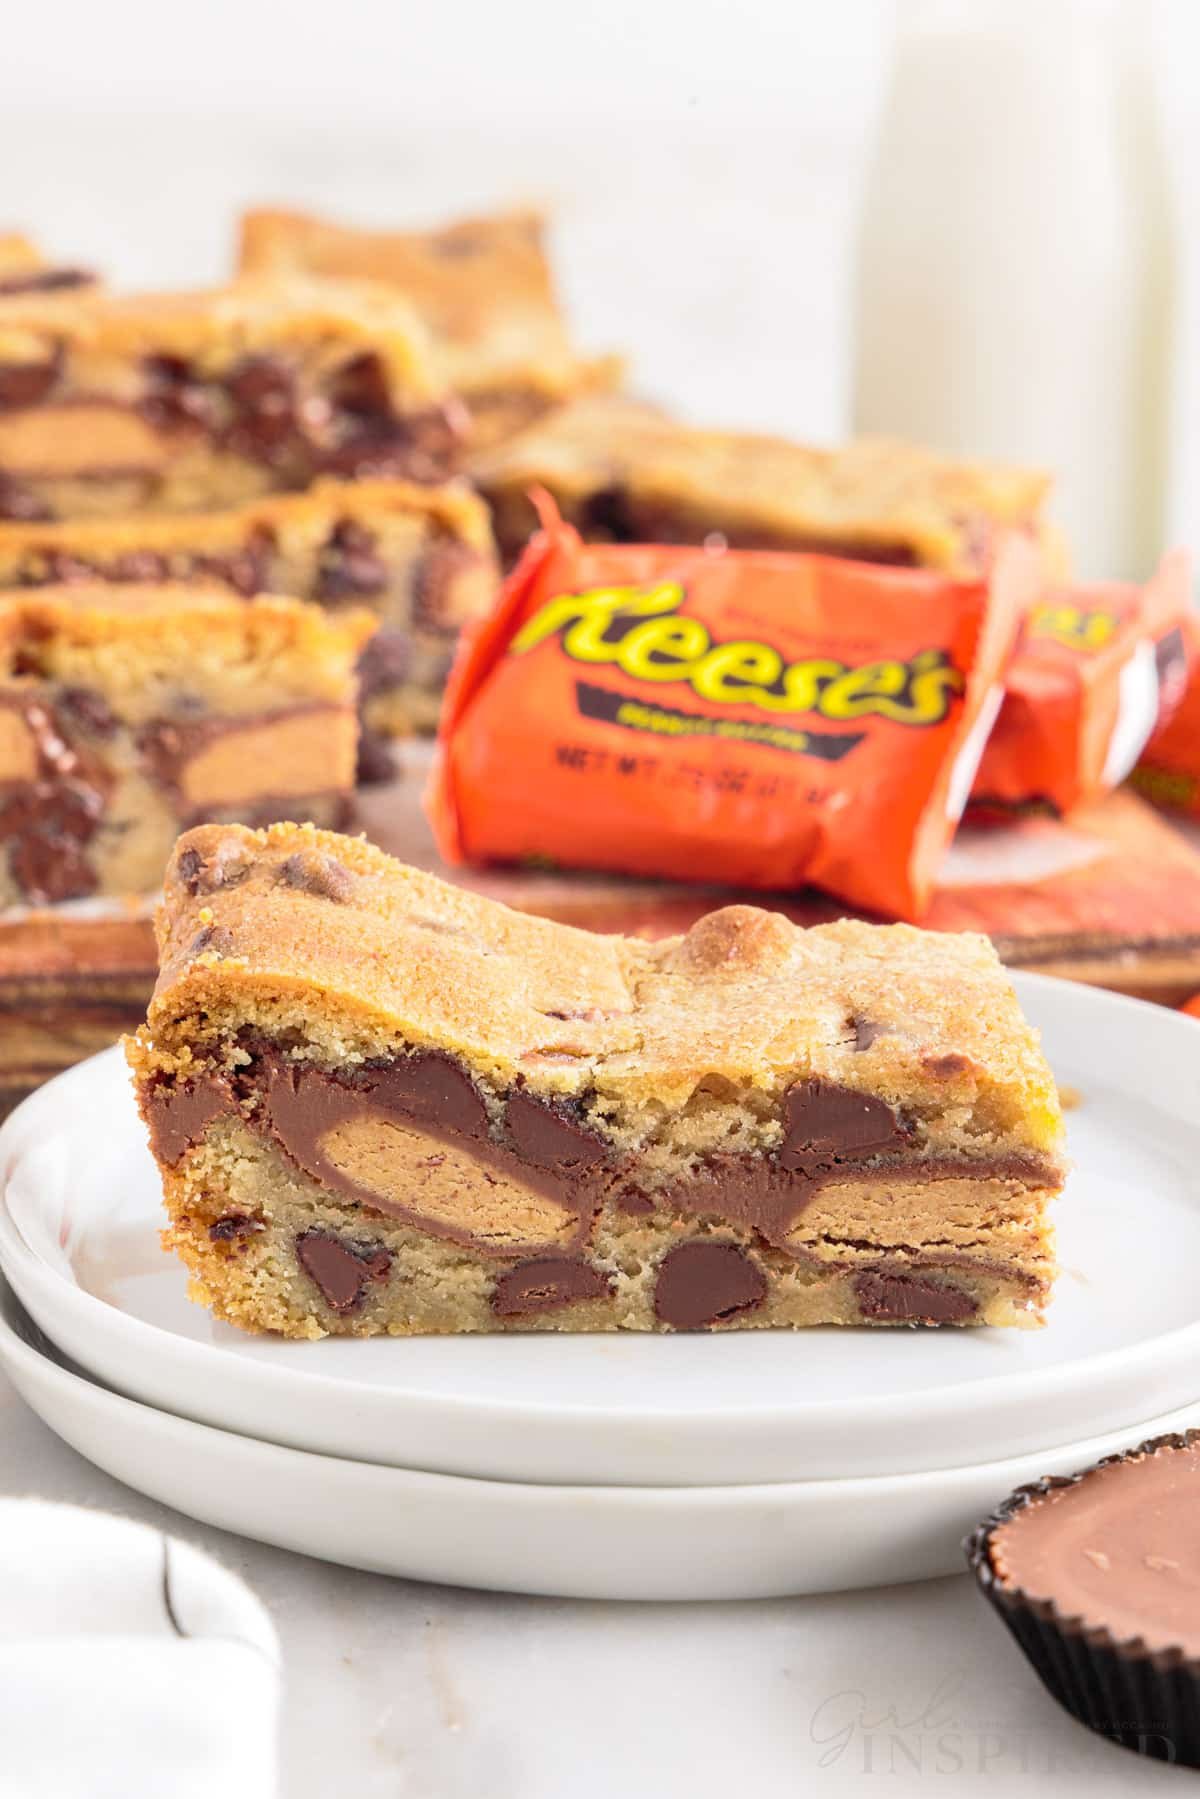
608,515
865,1032
546,1283
88,709
887,1298
825,1124
62,568
360,387
178,1114
947,1067
48,868
175,396
44,281
312,872
20,503
702,1284
26,383
213,939
377,761
342,1270
350,565
246,570
225,865
384,662
234,1225
549,1135
139,565
434,582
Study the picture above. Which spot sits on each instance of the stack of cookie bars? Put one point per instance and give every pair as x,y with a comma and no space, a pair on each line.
352,422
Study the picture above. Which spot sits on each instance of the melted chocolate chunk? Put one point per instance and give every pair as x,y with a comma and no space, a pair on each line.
360,387
865,1032
309,871
89,709
177,1116
377,759
342,1270
61,568
948,1067
212,939
49,821
384,662
246,570
897,1298
263,392
351,567
26,383
545,1283
233,1226
44,281
608,515
175,397
702,1284
224,866
825,1124
550,1135
434,581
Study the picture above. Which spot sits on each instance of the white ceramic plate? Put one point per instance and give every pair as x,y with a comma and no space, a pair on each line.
79,1243
662,1543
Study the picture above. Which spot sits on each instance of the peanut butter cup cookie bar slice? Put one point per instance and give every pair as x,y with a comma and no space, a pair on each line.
383,1104
130,712
188,402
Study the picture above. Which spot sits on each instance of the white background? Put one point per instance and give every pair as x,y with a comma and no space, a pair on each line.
703,159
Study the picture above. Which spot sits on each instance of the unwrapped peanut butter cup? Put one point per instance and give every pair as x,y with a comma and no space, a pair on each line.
1097,1576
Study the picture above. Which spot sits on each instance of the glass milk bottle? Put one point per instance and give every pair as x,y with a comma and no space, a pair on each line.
1015,267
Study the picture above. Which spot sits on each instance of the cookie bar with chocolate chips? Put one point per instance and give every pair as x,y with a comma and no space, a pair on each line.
482,286
127,713
621,472
24,270
189,402
421,557
385,1104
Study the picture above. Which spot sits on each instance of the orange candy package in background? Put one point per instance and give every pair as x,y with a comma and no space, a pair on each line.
1096,670
747,718
1169,772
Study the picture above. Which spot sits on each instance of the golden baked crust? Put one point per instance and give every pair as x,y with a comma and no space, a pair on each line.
406,959
211,329
482,286
142,635
615,467
451,510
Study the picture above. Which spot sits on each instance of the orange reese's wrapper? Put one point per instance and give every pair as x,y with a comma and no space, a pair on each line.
1096,670
1169,772
752,718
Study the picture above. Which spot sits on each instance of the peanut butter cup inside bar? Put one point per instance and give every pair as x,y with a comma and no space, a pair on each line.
382,1104
188,402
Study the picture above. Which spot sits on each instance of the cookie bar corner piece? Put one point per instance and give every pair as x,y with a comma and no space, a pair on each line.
383,1104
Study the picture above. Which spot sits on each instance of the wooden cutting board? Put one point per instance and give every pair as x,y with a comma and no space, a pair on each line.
1112,897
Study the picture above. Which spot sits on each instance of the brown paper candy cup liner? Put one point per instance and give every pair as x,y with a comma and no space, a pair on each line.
1147,1700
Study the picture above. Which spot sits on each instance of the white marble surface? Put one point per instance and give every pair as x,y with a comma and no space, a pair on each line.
400,1691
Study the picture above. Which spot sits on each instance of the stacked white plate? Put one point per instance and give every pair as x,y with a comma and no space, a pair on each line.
741,1464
